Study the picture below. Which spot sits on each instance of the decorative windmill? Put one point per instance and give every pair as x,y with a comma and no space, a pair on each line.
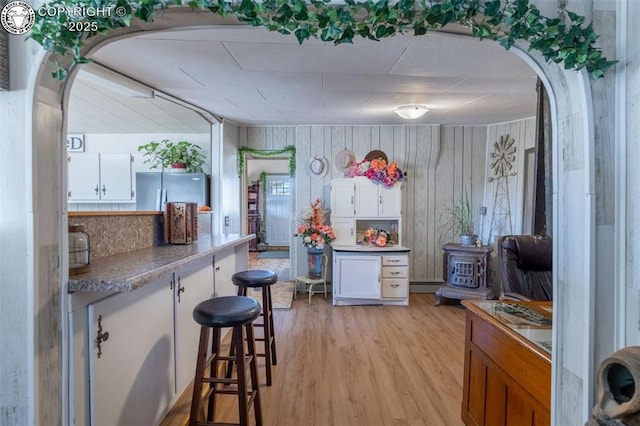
502,159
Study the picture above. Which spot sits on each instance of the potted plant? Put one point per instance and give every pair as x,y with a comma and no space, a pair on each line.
182,155
459,220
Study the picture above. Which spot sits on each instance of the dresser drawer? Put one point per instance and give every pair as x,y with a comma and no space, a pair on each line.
392,287
397,260
394,272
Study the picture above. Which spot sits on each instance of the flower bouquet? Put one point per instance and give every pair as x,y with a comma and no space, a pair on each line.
314,233
378,171
376,237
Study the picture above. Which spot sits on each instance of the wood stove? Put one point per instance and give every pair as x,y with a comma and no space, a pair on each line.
465,273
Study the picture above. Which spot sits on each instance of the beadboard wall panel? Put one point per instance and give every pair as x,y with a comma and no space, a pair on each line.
523,133
440,162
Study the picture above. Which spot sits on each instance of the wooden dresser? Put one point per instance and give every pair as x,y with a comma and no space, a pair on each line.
507,364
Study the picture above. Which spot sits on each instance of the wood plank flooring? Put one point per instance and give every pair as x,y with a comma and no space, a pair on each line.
360,365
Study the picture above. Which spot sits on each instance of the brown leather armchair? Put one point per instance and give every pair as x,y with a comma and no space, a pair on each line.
525,267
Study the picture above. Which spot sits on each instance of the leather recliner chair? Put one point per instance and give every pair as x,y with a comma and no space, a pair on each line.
525,267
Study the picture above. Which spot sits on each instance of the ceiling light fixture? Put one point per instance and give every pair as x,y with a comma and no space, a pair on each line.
411,112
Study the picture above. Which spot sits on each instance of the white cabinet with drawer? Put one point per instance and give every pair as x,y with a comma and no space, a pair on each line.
365,276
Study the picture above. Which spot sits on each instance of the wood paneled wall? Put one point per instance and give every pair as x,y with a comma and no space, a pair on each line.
440,161
523,132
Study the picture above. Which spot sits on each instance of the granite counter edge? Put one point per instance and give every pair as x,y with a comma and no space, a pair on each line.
136,280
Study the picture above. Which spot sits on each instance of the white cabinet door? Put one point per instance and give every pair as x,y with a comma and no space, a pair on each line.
132,379
342,198
390,201
192,285
84,177
367,199
224,265
344,229
357,276
99,177
115,177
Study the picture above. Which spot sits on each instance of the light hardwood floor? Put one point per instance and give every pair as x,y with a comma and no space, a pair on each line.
360,365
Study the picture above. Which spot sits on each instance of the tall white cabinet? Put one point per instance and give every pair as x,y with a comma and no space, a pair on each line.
364,274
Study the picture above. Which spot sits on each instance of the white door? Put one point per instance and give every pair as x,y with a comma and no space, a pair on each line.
277,212
358,276
84,177
192,285
115,176
131,373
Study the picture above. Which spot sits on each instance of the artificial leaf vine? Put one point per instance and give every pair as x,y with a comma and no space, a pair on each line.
290,150
569,41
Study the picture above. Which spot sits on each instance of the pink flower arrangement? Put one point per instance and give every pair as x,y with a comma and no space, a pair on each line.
314,233
376,237
378,170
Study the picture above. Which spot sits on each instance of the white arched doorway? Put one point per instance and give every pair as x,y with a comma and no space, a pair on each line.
573,217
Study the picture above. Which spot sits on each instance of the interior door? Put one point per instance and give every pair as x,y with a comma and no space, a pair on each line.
277,201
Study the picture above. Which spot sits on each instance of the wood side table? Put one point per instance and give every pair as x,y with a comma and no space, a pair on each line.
507,363
465,271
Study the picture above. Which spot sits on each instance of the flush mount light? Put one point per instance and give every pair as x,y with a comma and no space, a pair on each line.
411,112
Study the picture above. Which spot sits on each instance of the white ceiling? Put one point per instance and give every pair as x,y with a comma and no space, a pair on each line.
252,76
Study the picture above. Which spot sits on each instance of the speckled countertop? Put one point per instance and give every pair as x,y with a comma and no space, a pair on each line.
132,270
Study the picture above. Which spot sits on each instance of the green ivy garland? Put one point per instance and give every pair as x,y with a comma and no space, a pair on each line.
290,149
569,41
263,180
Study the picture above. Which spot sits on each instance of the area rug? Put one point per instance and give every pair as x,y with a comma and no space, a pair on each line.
281,294
276,254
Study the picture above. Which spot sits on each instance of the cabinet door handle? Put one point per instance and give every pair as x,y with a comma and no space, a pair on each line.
352,231
180,289
101,337
97,189
352,200
380,197
217,269
104,189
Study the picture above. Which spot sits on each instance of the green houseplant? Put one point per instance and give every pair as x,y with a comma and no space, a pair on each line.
459,220
183,154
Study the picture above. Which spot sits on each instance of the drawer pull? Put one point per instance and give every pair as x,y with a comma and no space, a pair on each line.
395,285
394,273
393,260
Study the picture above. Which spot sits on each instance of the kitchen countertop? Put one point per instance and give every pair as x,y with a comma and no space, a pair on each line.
132,270
367,248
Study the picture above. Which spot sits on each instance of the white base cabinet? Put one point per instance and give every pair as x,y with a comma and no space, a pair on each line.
365,276
132,370
143,365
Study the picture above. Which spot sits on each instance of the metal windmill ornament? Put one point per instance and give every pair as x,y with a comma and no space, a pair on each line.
501,161
502,157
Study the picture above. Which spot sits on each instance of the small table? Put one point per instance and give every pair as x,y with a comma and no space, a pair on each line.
465,270
507,363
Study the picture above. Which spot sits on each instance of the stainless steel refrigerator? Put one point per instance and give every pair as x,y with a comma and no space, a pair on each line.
155,189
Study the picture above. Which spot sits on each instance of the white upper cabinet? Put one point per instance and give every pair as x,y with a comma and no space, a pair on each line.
99,177
342,198
361,198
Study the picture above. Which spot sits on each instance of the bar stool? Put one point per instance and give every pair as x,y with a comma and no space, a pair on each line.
214,314
263,279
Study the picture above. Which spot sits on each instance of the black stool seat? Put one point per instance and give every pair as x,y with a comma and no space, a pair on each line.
227,311
254,278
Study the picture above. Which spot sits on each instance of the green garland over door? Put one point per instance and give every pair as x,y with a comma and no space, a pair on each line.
267,153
